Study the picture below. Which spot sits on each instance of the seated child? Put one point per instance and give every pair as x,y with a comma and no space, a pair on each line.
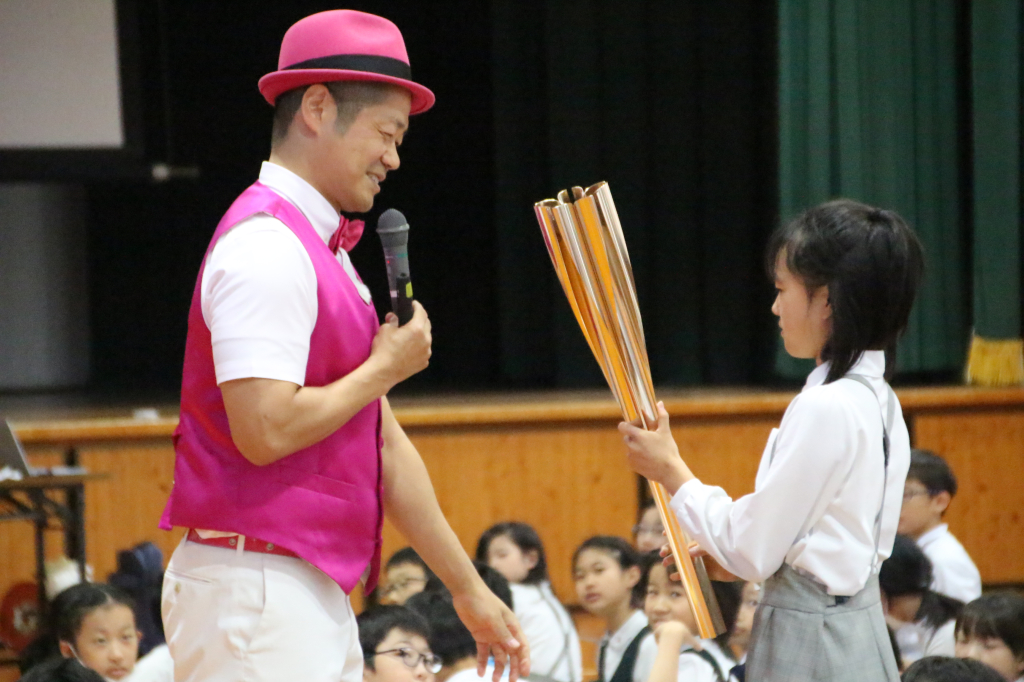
395,649
681,654
990,629
648,533
405,574
95,627
947,669
929,489
514,549
606,571
923,619
449,638
750,598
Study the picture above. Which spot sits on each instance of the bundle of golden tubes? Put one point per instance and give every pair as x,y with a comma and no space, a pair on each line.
584,239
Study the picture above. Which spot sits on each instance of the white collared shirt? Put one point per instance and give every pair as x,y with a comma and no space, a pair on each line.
549,629
814,504
615,645
259,288
953,572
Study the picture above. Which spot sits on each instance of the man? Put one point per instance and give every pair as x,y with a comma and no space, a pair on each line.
287,453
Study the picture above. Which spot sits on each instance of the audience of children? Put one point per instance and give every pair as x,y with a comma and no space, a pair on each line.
94,625
681,655
606,570
395,646
990,629
405,574
947,669
929,488
923,619
449,638
648,533
515,550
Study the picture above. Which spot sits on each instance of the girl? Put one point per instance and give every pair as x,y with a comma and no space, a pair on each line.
648,533
739,640
827,496
514,549
923,619
95,626
681,655
606,571
991,629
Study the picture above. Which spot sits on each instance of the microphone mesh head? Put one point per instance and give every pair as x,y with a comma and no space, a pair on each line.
393,229
391,220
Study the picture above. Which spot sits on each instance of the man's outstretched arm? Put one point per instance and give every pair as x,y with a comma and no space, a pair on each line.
411,505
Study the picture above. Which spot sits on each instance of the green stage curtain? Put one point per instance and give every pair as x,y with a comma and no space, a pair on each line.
996,99
868,109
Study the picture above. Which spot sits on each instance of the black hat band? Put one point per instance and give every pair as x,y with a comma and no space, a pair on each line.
370,63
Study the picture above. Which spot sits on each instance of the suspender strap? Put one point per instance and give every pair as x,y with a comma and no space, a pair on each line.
703,653
624,673
887,422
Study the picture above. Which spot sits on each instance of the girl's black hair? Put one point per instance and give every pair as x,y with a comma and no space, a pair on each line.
908,571
618,548
625,554
871,262
525,538
70,607
997,615
949,669
408,555
375,625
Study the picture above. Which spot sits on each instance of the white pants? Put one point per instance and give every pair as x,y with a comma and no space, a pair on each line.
233,616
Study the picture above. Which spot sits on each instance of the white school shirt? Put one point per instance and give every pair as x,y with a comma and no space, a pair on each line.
615,645
155,666
554,643
953,572
814,504
917,640
693,668
258,292
724,660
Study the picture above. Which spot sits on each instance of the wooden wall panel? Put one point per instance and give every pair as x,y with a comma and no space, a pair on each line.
986,452
569,482
124,510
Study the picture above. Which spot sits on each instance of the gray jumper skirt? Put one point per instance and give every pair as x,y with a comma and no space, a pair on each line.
803,634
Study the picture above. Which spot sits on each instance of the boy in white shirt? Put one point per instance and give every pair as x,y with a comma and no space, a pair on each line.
929,489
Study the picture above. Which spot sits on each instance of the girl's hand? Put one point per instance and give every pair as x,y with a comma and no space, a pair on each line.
654,454
672,634
711,565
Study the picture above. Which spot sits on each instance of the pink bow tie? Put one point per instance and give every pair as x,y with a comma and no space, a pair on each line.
347,235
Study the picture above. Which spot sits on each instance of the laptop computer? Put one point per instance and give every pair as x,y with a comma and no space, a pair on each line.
12,456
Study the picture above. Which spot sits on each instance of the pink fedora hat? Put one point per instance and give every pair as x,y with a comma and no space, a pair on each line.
344,45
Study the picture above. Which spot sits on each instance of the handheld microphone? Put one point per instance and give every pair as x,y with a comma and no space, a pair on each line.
393,230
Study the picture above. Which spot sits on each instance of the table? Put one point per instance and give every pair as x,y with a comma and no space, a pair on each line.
29,501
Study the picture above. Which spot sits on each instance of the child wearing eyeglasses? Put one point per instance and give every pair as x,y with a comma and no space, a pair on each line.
449,637
929,489
395,646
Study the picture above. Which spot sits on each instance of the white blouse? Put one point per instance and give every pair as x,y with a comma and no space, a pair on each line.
815,502
554,643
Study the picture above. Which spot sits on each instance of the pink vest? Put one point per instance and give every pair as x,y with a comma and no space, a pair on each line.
324,502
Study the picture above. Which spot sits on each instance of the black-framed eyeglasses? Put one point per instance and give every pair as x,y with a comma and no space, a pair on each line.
412,658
